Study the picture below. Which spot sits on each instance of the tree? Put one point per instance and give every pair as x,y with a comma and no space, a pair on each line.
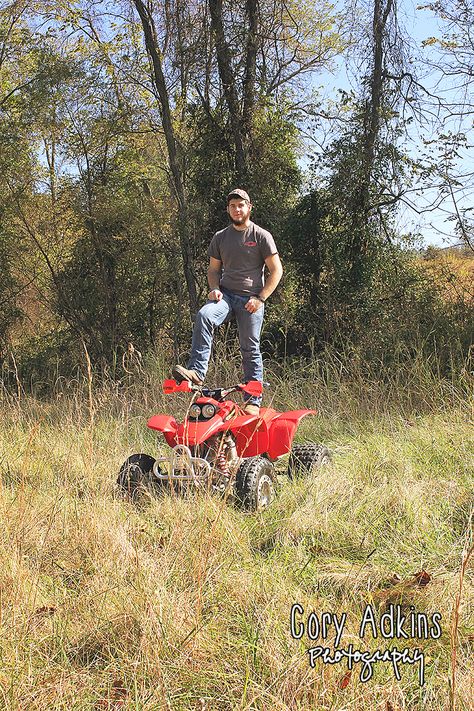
23,69
89,242
238,73
129,144
450,58
367,178
175,159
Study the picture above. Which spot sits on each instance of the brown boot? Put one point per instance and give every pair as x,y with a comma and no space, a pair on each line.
181,374
252,410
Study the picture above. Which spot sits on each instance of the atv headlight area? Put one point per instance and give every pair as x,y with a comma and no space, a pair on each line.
208,411
194,411
202,411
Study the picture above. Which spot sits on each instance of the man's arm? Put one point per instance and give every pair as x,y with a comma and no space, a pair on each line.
275,271
214,272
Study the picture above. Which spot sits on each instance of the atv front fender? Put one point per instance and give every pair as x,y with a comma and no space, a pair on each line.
165,424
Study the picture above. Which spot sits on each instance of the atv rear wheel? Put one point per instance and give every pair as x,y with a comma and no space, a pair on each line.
254,484
306,459
136,474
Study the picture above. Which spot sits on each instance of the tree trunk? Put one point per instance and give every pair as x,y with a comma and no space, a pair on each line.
227,78
373,109
362,203
151,43
250,69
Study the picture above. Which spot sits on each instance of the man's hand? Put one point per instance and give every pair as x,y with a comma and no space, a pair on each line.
253,305
214,273
215,295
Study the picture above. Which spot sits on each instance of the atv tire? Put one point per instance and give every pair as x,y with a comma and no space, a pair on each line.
136,475
306,459
254,484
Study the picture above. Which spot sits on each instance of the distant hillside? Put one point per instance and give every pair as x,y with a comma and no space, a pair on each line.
453,269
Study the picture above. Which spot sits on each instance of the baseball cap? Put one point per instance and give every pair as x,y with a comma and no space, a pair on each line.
238,193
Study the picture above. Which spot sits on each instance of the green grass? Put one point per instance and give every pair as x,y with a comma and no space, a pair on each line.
184,603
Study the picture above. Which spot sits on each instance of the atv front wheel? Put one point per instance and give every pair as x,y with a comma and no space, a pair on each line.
254,484
136,474
306,459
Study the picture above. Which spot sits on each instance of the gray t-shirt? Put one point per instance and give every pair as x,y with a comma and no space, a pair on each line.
243,254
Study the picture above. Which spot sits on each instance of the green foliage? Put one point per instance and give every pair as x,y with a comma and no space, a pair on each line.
275,176
363,198
400,311
116,287
9,311
89,232
212,173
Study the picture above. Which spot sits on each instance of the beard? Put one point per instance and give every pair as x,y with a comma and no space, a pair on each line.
241,220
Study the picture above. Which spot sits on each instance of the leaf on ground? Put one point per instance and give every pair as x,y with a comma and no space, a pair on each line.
394,580
119,690
45,611
109,705
422,578
345,680
395,589
116,698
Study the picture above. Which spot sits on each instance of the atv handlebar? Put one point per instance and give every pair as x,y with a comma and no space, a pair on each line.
253,387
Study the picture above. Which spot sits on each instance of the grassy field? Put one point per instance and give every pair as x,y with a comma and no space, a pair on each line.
175,603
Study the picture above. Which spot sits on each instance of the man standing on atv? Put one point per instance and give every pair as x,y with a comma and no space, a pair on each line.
238,256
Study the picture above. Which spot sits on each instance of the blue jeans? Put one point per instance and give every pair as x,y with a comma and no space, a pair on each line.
213,314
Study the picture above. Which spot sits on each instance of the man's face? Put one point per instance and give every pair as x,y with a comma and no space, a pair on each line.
239,210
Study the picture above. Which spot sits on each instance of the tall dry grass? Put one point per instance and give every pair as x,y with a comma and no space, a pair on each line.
184,603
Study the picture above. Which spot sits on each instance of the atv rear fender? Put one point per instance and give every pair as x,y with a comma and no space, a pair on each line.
272,434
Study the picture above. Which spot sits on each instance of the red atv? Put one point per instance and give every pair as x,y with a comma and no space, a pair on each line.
220,447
